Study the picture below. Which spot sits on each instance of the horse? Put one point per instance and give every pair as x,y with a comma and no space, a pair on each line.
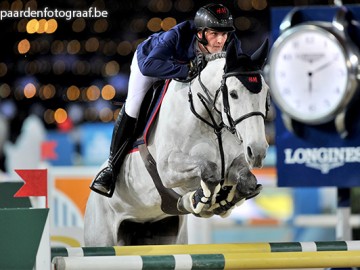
197,158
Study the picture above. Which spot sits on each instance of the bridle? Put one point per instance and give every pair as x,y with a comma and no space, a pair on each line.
223,89
208,101
210,104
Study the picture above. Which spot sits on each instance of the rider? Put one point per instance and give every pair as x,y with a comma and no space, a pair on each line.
175,54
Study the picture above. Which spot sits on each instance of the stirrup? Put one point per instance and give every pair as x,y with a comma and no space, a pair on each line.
106,194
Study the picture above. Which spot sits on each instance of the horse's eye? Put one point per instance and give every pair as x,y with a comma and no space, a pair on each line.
233,94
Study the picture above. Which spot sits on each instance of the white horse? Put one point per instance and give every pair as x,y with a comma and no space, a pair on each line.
208,134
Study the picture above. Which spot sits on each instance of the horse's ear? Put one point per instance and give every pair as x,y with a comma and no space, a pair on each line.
231,56
260,55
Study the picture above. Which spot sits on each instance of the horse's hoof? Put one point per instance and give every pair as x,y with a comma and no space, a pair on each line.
198,201
255,192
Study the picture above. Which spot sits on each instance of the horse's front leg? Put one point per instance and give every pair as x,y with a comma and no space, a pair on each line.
182,170
240,184
205,195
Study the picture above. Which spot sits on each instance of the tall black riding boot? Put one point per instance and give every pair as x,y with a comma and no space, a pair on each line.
104,182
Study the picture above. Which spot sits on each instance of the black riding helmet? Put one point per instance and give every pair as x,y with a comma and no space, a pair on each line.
213,16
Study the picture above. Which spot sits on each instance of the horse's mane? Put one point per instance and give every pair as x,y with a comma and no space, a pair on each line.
214,56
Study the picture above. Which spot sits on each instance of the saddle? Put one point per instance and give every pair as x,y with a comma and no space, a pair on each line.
148,111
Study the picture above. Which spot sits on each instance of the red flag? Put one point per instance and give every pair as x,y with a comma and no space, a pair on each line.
48,150
35,183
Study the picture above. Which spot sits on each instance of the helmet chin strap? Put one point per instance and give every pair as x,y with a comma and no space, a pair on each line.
205,48
203,41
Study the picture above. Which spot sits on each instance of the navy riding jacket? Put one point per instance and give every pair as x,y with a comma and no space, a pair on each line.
166,55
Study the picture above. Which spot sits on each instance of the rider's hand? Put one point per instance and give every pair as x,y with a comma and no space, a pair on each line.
192,73
193,69
195,66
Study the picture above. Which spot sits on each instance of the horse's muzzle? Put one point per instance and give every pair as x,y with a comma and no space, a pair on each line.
255,155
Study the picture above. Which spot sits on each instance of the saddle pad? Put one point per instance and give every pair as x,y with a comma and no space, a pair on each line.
155,104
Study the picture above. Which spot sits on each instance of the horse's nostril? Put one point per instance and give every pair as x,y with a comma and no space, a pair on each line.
249,152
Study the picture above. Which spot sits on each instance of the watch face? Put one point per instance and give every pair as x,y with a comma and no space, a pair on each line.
308,74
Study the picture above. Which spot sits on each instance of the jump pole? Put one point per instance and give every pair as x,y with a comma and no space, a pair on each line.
264,247
227,261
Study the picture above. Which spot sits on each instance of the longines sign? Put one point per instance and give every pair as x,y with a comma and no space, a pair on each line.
323,158
316,155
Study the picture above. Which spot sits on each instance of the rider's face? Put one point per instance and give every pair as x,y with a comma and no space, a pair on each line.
216,40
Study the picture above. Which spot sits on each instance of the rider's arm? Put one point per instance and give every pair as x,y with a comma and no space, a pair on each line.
160,55
161,64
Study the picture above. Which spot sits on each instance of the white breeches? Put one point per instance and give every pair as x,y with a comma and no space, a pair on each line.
138,86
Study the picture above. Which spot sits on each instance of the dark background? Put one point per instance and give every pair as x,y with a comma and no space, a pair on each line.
51,63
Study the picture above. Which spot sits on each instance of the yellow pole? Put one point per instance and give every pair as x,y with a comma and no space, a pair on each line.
281,260
227,261
192,249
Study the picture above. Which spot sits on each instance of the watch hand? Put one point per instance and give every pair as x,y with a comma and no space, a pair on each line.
324,65
310,81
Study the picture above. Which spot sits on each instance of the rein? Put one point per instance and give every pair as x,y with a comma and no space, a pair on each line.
218,127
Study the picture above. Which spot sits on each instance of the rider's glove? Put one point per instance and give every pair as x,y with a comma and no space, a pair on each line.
195,66
192,73
193,69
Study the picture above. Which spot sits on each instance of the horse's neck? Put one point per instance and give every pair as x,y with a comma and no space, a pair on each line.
214,69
